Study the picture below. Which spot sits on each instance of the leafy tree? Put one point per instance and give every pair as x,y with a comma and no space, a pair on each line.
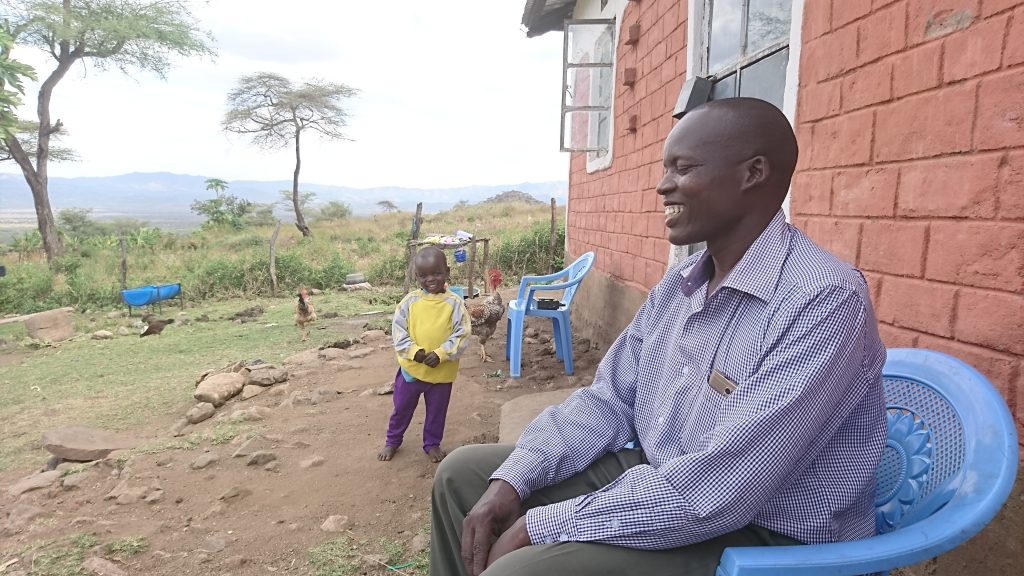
274,112
77,223
216,185
12,87
123,34
387,206
334,210
224,210
27,133
260,214
305,199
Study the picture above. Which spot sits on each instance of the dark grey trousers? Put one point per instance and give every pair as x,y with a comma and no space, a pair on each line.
462,477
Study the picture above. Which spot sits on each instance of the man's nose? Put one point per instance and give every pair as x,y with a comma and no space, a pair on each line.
664,185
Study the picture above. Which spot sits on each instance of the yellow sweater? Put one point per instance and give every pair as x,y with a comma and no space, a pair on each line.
436,323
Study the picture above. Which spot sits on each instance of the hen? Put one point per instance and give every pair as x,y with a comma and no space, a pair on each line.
484,317
304,313
155,326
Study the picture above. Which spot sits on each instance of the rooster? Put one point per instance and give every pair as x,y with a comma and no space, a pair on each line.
304,313
155,326
484,317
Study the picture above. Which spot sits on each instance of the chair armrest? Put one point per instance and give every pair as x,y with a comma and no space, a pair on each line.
915,543
525,283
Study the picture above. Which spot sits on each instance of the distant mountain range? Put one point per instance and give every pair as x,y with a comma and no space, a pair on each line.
165,198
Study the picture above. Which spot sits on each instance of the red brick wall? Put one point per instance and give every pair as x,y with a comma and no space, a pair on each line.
911,122
615,212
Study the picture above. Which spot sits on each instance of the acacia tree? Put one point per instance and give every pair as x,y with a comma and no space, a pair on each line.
216,185
387,206
12,87
273,112
122,34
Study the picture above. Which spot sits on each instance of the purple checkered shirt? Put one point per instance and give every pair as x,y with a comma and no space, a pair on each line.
793,449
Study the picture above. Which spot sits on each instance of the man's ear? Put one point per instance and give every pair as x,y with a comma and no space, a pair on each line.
756,171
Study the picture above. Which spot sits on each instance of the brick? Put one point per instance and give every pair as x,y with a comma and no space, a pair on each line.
998,367
874,285
893,247
829,56
991,319
930,19
868,85
1001,114
983,254
894,337
865,192
1011,187
1015,43
655,272
973,52
817,19
926,124
990,7
959,187
811,193
804,138
918,305
917,70
840,237
882,33
819,101
843,141
846,11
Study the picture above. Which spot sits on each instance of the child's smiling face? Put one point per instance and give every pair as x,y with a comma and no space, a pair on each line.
432,272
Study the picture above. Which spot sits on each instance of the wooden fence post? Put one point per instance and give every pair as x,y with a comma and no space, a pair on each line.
273,260
414,235
124,262
551,240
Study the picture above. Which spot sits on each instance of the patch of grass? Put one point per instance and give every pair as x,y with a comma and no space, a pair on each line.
336,557
117,384
65,560
225,431
393,551
127,546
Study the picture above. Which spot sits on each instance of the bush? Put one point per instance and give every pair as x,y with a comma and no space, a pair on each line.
527,252
388,270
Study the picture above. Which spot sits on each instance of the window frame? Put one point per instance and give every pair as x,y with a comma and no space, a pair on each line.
567,109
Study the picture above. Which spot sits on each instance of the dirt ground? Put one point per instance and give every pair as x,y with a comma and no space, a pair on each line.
276,519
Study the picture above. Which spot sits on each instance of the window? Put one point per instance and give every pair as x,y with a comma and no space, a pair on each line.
587,86
747,48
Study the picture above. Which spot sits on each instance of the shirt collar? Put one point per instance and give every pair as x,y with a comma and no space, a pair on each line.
757,272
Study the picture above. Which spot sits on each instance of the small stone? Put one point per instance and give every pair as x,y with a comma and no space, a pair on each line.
215,543
234,494
372,335
123,331
334,524
73,481
178,428
386,389
298,429
102,567
281,390
249,391
260,458
249,446
297,398
528,340
131,496
544,339
254,414
200,412
531,333
164,460
154,497
236,561
212,511
293,527
332,354
103,335
33,482
359,353
419,543
321,395
204,460
312,462
298,444
116,314
274,466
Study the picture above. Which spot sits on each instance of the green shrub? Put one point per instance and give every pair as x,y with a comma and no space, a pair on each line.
527,252
388,270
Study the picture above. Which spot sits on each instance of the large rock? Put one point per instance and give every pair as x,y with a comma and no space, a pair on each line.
33,482
332,354
306,357
200,412
517,413
83,443
219,388
103,335
251,390
52,325
266,377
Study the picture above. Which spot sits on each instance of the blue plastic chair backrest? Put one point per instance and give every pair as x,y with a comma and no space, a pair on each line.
922,465
577,270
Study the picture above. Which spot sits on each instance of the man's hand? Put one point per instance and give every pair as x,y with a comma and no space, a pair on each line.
513,539
492,515
420,355
432,360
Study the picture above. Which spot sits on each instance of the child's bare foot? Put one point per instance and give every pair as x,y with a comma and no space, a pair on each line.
436,454
386,453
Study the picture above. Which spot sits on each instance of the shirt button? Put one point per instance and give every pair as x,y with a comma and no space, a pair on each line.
563,538
686,370
614,524
661,420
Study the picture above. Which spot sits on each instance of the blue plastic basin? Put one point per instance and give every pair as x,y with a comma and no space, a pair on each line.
147,295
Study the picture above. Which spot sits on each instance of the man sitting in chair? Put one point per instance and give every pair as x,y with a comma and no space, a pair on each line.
751,379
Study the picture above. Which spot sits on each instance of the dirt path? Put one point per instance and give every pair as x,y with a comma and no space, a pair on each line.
276,517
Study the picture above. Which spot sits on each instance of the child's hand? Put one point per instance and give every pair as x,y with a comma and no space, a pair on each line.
432,360
420,355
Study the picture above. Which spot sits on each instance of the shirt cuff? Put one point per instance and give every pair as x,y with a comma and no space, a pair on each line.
441,354
523,470
552,523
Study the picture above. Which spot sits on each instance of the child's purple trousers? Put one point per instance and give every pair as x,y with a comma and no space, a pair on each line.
407,397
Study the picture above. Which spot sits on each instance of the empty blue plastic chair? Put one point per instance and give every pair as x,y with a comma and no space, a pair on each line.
949,464
526,305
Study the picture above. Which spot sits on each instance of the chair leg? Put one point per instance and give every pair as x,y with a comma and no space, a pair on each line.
515,339
508,336
566,336
556,336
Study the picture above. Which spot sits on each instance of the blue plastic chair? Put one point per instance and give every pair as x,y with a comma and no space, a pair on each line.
949,465
525,305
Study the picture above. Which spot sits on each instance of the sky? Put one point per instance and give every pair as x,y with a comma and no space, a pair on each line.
452,93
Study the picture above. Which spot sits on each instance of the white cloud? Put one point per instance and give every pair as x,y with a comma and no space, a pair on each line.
452,93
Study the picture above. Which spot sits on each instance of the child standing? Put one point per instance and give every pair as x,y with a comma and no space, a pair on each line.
430,330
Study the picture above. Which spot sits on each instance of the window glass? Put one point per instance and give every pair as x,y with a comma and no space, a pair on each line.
766,79
726,39
724,88
767,23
